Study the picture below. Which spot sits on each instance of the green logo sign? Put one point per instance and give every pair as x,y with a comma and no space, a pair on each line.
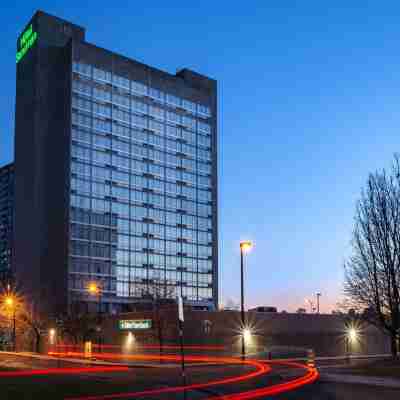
126,324
26,41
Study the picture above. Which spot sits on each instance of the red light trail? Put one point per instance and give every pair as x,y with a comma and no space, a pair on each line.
261,367
61,371
149,346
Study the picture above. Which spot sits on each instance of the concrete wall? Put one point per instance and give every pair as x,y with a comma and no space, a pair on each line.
282,334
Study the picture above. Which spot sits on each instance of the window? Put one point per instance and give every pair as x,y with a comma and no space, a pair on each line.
121,162
80,152
173,100
139,136
101,93
204,127
138,196
138,151
139,107
205,154
119,176
100,173
121,99
139,88
156,126
204,223
80,202
140,121
157,215
137,180
101,125
102,109
189,106
203,110
138,166
173,131
121,145
121,115
173,117
80,168
156,94
189,122
120,208
101,141
204,195
81,119
100,189
81,87
101,157
121,81
172,145
120,192
101,75
204,141
80,185
82,68
81,135
156,112
156,140
156,184
121,130
81,103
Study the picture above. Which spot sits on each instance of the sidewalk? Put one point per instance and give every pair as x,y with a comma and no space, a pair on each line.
362,380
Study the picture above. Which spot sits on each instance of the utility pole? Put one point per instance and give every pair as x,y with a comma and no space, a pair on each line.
181,320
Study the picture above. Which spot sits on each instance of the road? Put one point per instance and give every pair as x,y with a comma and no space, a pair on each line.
127,383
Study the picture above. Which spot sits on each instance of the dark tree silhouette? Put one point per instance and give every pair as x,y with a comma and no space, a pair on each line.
162,297
372,272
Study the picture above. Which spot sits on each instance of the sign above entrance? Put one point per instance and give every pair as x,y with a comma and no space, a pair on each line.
127,324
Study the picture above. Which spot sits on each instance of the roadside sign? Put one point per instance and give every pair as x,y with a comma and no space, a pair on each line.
127,324
180,309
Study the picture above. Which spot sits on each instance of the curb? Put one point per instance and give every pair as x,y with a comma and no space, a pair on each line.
361,380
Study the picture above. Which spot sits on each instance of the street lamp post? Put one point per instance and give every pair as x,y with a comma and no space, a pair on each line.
95,290
244,246
11,303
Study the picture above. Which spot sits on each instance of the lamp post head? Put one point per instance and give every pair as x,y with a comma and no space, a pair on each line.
93,288
246,245
9,301
352,334
246,332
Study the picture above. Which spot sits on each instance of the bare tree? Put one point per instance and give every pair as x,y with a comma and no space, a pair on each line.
79,327
162,297
37,323
372,272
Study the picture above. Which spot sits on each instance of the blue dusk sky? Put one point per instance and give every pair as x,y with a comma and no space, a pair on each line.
309,104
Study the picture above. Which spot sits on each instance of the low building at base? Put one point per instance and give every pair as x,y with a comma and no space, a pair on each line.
279,334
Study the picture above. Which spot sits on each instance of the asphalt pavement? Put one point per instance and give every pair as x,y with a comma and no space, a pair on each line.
134,380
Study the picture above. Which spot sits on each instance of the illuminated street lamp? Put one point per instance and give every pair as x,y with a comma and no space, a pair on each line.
352,335
244,247
246,335
52,335
94,289
11,304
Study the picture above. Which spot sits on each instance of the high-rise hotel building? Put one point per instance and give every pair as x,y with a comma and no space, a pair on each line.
116,175
6,222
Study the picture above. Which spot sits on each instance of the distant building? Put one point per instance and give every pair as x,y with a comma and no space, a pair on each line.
264,309
116,174
6,220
